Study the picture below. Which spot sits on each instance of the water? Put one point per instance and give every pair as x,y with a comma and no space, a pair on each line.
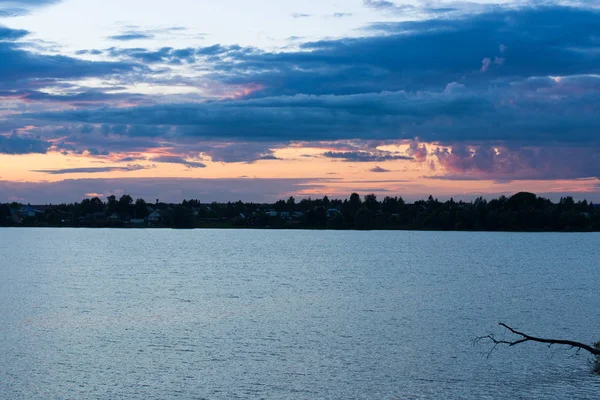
218,314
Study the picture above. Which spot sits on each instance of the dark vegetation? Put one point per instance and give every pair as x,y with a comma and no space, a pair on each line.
521,212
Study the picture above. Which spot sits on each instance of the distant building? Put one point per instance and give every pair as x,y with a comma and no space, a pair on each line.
28,211
154,216
114,217
137,221
272,213
332,212
92,216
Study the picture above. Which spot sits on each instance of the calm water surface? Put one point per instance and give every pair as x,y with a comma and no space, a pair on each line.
216,314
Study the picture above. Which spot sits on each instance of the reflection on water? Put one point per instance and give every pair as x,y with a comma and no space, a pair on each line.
154,314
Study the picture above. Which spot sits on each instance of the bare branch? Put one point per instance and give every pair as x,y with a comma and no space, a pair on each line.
526,338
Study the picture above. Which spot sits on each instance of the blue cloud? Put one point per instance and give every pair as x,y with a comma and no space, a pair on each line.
364,156
420,55
92,170
178,160
517,77
17,8
131,36
12,34
386,5
15,144
18,66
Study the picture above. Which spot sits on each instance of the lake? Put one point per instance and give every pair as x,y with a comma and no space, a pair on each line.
242,314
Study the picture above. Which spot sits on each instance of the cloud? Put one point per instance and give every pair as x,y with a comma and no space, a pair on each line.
300,15
302,117
12,34
424,54
383,5
178,160
15,144
462,162
92,170
379,169
341,15
131,36
18,8
165,189
21,68
133,32
29,3
239,152
364,156
539,88
417,151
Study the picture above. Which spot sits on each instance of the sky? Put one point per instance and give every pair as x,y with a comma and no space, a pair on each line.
258,101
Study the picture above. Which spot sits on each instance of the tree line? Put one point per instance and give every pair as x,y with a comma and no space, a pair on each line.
521,212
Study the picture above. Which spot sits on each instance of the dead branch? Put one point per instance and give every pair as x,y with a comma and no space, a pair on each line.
528,338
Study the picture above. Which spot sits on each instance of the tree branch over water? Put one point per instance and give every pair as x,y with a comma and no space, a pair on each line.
524,337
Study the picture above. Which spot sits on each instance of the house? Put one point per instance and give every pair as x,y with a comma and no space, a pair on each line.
115,217
297,214
272,213
154,216
92,216
284,215
332,212
137,221
28,211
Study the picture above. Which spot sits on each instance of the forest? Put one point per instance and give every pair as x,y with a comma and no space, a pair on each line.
520,212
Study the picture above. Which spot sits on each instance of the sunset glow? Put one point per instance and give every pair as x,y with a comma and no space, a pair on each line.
390,98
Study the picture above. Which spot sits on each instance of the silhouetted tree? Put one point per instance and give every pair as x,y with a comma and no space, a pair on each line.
362,219
140,209
113,205
125,203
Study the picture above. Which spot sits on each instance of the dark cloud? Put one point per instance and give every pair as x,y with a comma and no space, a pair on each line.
528,163
12,34
15,144
20,68
364,156
419,55
514,78
92,52
376,116
92,170
379,169
239,152
178,160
